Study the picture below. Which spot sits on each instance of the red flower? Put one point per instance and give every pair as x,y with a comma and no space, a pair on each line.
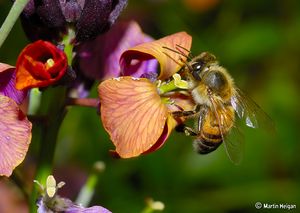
40,64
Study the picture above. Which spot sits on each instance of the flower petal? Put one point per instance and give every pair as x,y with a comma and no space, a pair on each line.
7,84
97,58
133,114
93,209
15,135
169,61
40,64
93,19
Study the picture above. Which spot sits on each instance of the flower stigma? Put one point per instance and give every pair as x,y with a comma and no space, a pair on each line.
49,63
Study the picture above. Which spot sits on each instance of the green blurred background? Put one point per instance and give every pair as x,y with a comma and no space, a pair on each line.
259,43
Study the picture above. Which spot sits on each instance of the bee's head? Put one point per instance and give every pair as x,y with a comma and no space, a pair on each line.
200,63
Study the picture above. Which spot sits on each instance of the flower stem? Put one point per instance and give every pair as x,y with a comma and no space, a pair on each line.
68,43
11,19
53,107
87,191
167,87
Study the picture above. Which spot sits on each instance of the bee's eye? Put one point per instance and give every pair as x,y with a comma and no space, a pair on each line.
196,70
197,67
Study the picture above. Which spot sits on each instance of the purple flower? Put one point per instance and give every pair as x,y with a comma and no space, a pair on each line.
51,202
46,19
15,129
99,59
59,204
93,209
7,84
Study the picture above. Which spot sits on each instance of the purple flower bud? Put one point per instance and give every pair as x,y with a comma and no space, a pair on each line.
46,19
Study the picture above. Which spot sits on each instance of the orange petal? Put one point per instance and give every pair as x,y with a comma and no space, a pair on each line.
15,135
181,101
169,61
133,114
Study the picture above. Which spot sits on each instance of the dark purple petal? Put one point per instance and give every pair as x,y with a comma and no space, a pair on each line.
99,59
50,13
7,84
118,6
93,19
90,17
71,9
29,10
43,20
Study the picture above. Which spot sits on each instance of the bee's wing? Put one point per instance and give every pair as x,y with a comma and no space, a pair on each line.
234,145
234,139
250,113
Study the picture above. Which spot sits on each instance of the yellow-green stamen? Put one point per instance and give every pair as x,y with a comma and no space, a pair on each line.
49,63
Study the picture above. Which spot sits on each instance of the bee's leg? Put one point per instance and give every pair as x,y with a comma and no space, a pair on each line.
187,130
178,114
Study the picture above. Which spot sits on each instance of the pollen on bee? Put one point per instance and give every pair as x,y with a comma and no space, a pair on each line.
49,63
135,79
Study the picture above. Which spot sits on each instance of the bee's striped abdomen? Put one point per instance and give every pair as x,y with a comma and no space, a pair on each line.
207,142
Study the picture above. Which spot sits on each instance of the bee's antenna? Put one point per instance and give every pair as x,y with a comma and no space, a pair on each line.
178,52
190,54
185,63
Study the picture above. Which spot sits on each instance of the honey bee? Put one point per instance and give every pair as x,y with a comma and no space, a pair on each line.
218,104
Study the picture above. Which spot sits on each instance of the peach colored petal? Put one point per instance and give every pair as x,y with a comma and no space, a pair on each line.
132,113
15,135
4,67
180,101
169,126
169,61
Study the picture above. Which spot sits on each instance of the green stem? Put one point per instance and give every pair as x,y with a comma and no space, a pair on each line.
87,191
11,19
53,107
68,43
167,87
147,210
